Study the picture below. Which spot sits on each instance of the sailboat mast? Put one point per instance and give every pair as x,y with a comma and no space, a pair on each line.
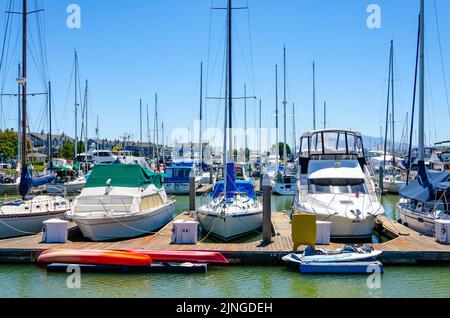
387,109
200,141
422,84
148,131
294,135
230,84
86,119
229,153
314,96
392,100
49,138
76,104
245,123
97,132
157,131
325,115
260,132
19,116
24,87
276,120
140,122
285,108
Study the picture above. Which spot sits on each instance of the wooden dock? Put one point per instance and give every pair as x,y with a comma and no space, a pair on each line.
203,189
406,246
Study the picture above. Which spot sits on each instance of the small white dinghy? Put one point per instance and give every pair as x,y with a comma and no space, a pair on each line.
348,259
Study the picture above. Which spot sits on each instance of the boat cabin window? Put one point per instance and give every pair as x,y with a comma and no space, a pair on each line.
180,173
337,186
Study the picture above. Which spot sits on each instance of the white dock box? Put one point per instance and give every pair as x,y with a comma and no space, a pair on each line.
323,232
185,232
55,231
443,231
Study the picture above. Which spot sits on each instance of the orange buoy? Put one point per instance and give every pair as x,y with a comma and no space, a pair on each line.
95,257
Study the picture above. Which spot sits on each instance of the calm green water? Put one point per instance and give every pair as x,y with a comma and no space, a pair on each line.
229,282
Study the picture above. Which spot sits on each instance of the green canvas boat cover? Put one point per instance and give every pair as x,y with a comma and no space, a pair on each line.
123,175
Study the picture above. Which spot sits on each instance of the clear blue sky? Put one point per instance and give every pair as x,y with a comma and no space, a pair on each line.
131,49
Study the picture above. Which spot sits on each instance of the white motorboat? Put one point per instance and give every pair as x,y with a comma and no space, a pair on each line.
285,184
176,177
346,254
394,183
67,179
73,186
334,183
10,186
121,201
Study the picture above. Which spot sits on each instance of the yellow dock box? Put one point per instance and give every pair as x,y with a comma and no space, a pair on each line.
304,230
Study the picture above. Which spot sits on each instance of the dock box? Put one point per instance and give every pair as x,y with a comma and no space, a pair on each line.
443,231
185,232
55,231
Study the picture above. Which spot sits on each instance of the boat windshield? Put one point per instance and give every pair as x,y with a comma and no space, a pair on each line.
332,143
177,173
337,186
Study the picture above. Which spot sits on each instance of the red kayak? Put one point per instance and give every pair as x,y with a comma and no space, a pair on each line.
184,256
95,257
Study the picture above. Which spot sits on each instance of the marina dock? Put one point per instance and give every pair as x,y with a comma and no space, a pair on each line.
405,247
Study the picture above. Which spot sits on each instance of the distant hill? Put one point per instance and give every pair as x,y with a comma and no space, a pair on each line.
374,142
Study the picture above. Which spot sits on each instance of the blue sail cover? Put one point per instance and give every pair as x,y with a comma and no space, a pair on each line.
424,186
240,186
27,182
231,180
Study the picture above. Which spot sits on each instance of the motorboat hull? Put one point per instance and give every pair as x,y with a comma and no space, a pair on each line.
343,228
287,189
9,188
111,227
393,187
177,188
68,187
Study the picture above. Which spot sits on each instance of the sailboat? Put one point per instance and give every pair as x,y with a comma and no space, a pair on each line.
394,180
232,209
285,183
426,199
26,216
68,180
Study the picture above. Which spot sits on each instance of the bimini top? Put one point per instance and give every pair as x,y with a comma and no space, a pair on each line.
424,186
123,175
241,186
310,133
331,144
